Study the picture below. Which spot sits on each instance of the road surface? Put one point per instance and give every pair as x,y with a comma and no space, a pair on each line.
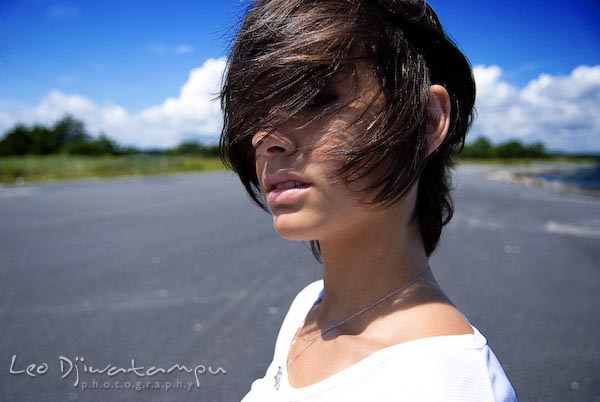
184,270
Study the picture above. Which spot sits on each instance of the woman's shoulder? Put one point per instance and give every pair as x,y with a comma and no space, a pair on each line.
453,365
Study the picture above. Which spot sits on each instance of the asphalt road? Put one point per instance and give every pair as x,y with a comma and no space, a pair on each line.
184,270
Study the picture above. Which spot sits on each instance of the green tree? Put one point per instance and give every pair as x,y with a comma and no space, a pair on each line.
537,150
43,141
67,135
480,148
511,149
17,141
69,130
195,148
93,147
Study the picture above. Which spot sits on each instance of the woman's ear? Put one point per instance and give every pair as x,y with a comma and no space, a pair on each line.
438,117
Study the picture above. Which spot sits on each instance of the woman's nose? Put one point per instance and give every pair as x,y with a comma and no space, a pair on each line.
273,143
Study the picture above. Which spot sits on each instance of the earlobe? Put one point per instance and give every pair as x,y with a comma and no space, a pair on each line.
438,117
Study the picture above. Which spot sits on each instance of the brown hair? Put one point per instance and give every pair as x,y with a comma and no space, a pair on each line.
287,51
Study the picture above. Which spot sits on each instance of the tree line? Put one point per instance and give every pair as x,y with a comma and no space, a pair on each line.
69,136
483,148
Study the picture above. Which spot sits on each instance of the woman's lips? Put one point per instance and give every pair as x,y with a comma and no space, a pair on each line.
287,192
285,188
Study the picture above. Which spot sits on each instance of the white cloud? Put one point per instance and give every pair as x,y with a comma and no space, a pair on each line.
195,112
162,49
561,111
183,48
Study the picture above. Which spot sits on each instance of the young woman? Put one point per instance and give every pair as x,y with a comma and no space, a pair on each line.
341,117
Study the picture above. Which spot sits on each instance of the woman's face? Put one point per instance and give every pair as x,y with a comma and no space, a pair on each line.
294,164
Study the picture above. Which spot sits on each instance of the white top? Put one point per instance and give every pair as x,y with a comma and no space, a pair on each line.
459,368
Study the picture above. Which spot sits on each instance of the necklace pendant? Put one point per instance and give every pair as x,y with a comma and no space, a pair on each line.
278,377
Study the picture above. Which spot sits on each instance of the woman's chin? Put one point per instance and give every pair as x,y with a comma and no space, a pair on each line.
291,228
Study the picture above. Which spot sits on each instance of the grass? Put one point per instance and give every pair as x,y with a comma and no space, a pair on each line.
63,167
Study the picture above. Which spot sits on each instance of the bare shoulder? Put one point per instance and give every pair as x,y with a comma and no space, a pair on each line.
422,321
439,319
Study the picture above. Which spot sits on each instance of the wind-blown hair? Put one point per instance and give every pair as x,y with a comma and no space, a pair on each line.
288,50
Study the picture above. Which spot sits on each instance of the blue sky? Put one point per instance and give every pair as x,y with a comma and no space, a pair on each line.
133,68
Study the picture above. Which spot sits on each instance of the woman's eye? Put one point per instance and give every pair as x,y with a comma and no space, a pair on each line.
321,99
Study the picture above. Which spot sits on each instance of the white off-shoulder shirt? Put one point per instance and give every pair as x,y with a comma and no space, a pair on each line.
459,368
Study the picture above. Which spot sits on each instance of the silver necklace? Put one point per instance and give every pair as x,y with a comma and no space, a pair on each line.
345,320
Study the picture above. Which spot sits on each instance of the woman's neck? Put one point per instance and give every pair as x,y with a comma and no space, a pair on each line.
362,267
